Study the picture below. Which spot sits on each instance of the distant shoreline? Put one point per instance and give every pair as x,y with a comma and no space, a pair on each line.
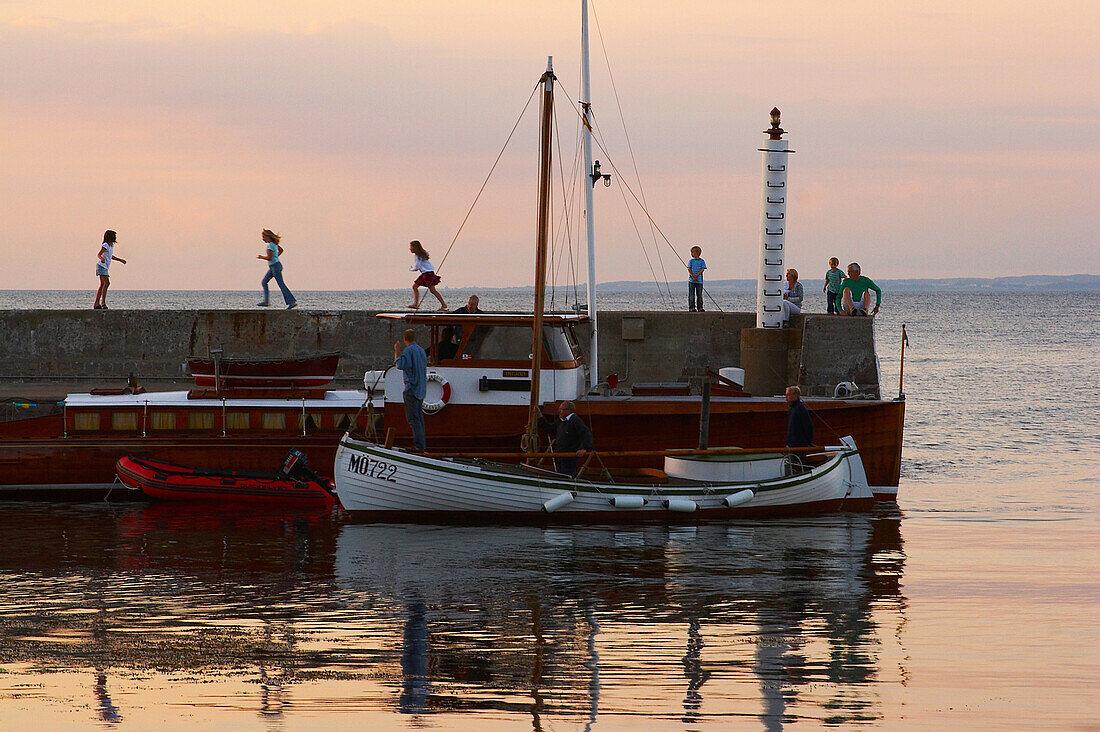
1022,283
977,285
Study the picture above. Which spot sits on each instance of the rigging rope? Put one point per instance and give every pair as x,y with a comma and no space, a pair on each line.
641,244
637,200
565,208
629,145
487,177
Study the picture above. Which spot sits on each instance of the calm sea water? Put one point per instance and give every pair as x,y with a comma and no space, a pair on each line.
972,605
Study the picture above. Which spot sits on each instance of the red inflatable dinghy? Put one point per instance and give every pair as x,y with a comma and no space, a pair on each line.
293,483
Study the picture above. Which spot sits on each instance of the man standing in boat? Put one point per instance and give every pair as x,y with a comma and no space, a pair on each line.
414,365
800,428
571,434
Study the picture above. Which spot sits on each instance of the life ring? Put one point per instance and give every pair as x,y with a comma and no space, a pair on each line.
433,407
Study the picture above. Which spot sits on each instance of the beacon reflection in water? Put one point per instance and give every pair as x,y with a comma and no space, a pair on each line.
779,620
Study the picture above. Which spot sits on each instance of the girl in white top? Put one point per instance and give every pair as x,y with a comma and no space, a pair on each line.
428,278
103,268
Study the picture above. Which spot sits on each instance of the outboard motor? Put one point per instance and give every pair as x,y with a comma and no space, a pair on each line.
296,467
295,464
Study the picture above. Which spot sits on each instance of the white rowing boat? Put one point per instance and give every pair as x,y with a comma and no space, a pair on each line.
394,484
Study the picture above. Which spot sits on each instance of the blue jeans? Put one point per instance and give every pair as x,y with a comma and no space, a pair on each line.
276,271
695,295
834,301
414,413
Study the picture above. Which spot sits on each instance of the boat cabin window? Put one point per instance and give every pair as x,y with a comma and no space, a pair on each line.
499,343
513,343
273,421
557,344
200,420
122,421
162,420
237,421
86,420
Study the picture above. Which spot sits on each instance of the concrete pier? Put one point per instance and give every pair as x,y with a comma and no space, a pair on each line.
47,353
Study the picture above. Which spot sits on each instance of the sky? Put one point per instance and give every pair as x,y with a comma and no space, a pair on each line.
933,139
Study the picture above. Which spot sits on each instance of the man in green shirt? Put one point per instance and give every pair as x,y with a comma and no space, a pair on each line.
856,293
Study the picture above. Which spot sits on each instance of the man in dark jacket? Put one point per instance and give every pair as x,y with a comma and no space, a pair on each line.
800,428
571,434
469,308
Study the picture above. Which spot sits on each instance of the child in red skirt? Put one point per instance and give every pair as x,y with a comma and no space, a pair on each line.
428,278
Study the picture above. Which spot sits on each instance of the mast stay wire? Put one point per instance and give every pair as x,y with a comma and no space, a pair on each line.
642,246
637,200
490,175
566,192
629,144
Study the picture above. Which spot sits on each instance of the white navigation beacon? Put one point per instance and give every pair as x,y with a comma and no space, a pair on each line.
773,224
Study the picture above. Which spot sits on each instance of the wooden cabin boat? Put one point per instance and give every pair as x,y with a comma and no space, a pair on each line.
478,400
489,390
247,429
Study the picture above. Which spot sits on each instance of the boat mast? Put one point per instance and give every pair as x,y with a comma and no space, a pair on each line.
530,442
593,178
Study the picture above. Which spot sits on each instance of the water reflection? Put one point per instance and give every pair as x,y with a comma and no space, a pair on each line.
703,625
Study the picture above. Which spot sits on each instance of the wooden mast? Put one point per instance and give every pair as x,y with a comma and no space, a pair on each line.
530,441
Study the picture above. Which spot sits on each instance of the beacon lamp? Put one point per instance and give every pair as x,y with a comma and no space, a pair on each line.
597,175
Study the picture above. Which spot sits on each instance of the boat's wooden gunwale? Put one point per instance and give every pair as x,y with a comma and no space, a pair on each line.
584,486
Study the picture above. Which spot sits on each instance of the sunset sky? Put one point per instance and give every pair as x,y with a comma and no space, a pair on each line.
934,139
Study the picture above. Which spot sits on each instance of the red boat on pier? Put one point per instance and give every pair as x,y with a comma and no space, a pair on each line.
308,372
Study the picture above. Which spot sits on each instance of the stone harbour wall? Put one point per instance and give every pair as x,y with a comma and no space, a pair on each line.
54,350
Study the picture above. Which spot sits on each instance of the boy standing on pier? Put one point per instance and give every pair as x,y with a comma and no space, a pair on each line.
695,279
833,277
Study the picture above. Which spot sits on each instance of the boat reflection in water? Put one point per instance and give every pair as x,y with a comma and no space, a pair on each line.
599,622
303,618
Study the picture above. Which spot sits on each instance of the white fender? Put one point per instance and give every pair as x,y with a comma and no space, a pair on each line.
683,505
736,499
558,501
627,501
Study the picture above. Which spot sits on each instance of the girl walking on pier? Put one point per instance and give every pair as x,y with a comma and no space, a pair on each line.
274,269
428,278
103,268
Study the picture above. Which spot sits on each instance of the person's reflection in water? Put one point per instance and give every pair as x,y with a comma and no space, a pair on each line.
108,712
538,664
593,666
414,660
775,669
273,698
693,670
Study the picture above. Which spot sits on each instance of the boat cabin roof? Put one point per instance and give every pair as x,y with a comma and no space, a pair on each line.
559,319
336,398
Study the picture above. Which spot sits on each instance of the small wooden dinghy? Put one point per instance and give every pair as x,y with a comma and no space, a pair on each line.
293,483
393,484
307,372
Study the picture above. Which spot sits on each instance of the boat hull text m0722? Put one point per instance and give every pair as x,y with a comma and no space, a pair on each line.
393,484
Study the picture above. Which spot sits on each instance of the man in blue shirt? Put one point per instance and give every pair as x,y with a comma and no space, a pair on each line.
414,365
